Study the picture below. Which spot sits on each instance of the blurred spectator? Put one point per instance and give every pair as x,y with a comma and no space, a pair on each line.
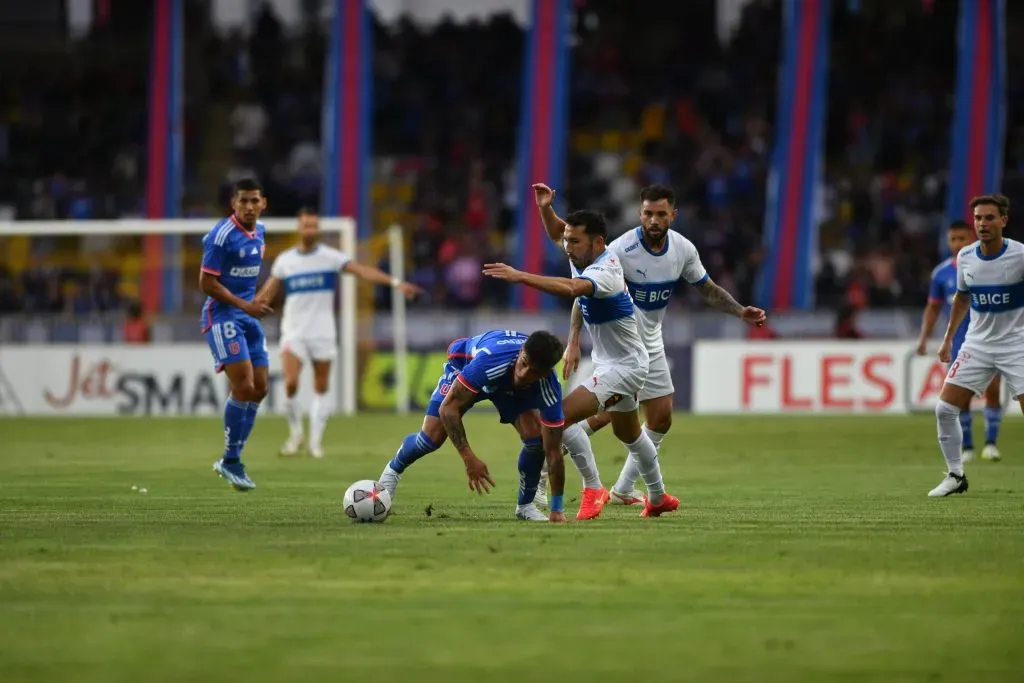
135,329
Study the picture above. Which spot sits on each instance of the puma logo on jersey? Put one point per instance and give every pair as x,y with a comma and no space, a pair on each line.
643,273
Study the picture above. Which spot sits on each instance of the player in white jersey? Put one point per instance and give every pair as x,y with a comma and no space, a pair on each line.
990,281
654,259
619,355
308,274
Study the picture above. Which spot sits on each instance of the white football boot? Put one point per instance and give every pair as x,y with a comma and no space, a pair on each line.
967,455
540,499
530,513
316,451
292,446
634,497
389,479
990,452
952,483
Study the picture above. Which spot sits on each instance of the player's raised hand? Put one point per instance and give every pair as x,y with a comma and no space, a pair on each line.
543,194
502,272
570,360
946,351
755,316
479,477
258,308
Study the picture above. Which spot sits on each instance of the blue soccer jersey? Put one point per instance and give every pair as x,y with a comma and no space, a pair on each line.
485,364
234,255
943,289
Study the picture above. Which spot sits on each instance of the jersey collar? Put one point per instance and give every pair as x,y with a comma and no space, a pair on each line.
238,224
1002,251
640,236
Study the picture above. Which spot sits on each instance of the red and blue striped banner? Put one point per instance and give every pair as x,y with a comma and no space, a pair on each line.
346,134
786,280
979,116
161,284
543,124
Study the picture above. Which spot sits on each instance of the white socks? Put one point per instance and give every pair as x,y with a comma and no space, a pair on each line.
294,412
319,411
951,437
646,456
630,471
577,443
587,429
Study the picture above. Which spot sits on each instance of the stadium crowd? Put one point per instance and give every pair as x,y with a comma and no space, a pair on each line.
686,110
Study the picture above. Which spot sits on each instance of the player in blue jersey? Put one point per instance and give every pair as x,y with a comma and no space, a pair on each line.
940,297
232,257
516,373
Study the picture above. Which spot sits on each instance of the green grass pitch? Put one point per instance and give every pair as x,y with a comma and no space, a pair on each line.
805,550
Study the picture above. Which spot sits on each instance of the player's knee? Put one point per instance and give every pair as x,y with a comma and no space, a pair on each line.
946,411
259,392
534,444
660,423
291,388
244,390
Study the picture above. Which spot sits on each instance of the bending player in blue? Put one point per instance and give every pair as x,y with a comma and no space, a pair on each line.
940,297
517,374
232,256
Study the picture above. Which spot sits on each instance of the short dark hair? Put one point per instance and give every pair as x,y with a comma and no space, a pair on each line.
308,211
960,225
654,193
997,200
247,185
593,222
543,349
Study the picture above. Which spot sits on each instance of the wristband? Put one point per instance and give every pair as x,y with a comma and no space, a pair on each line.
395,282
555,503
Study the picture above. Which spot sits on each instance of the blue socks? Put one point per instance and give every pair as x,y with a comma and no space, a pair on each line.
993,418
235,421
250,420
414,447
531,460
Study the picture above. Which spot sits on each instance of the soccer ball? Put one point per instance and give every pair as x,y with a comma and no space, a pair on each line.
367,501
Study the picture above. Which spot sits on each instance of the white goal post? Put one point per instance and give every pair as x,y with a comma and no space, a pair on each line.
345,228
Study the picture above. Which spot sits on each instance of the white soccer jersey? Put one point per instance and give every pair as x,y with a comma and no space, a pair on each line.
652,276
996,286
310,280
609,315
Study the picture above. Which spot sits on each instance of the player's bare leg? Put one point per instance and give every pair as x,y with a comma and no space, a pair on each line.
952,401
531,459
430,437
320,409
626,426
291,370
993,419
578,406
657,422
244,390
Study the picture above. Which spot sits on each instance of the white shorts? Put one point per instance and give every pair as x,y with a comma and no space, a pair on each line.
974,369
659,380
311,349
616,387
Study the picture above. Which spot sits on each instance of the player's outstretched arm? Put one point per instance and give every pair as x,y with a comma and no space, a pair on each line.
553,225
718,298
928,318
457,402
571,356
567,288
211,286
379,277
551,438
961,304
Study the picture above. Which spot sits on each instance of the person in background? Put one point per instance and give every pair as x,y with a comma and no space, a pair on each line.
135,329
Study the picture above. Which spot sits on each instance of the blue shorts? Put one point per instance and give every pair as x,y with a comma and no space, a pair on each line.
237,339
509,407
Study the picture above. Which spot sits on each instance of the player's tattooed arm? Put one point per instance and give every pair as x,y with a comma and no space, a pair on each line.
571,355
552,441
717,297
458,400
575,323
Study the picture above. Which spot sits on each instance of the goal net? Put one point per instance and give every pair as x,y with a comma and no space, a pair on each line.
63,265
